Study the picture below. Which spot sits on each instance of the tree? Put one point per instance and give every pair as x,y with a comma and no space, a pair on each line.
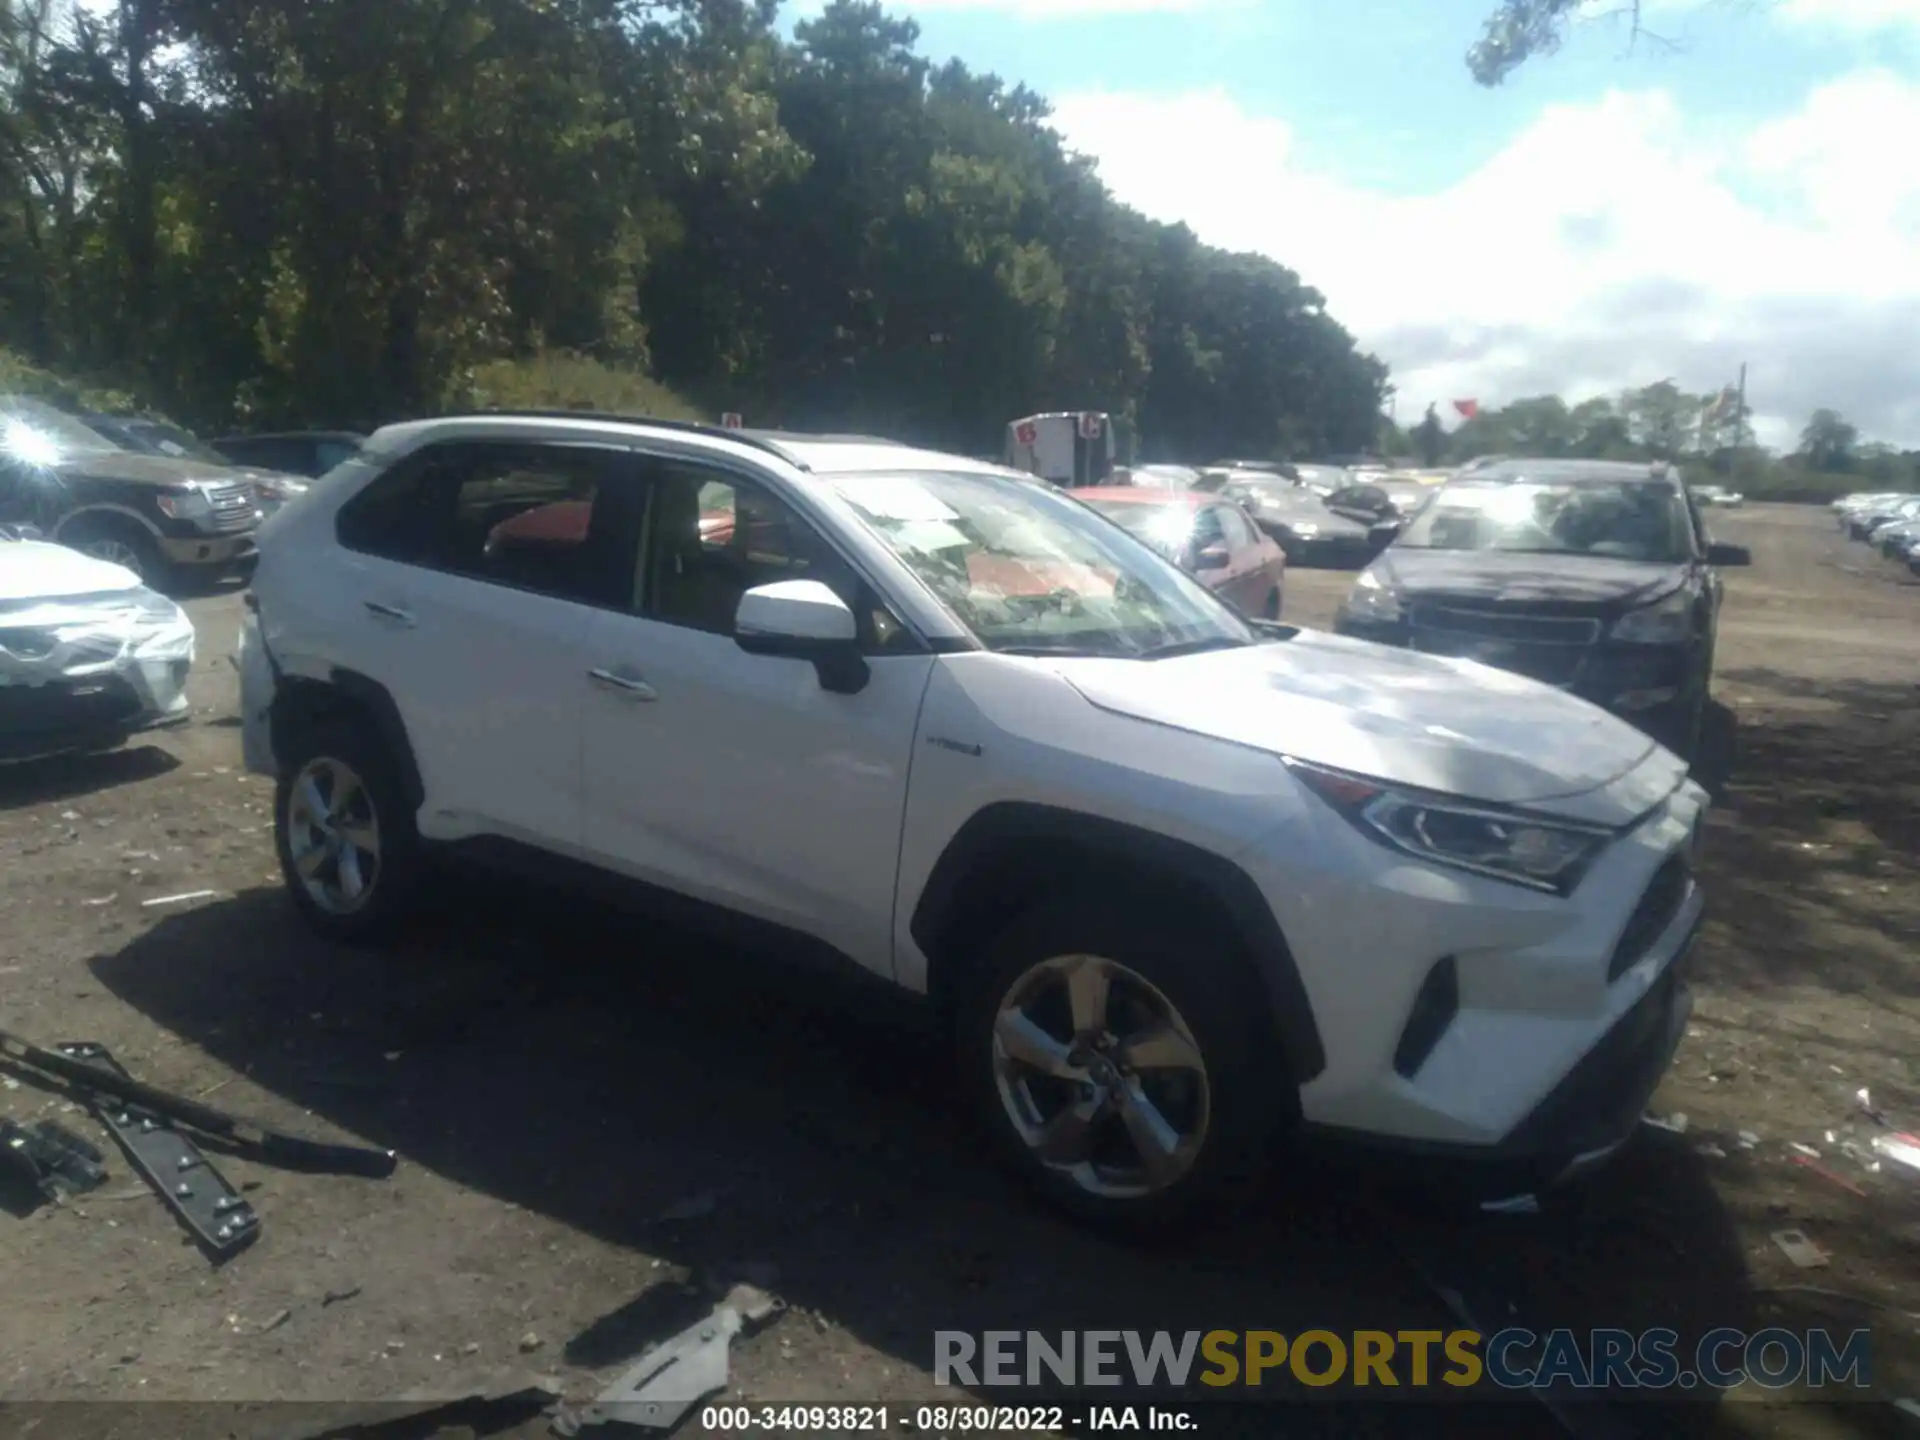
1522,30
1430,438
1827,444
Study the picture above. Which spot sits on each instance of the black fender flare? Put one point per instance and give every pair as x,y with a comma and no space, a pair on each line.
1004,848
348,694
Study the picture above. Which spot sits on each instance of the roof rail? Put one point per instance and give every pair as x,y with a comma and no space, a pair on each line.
688,427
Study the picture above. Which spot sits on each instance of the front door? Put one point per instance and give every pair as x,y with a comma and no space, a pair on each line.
736,778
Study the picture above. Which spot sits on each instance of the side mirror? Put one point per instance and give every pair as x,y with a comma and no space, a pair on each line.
1718,554
1214,557
803,620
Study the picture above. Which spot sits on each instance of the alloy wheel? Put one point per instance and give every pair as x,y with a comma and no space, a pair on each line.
333,836
117,552
1101,1077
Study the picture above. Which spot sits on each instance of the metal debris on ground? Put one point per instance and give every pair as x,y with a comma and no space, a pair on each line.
334,1297
73,1063
1795,1245
1865,1101
674,1376
179,899
51,1159
1826,1174
1710,1150
217,1215
1806,1150
1748,1139
1902,1148
1673,1124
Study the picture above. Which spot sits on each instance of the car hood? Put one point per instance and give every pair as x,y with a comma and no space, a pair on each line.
1422,721
1308,511
1508,577
139,469
38,570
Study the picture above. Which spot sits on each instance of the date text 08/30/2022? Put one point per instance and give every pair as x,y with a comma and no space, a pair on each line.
944,1419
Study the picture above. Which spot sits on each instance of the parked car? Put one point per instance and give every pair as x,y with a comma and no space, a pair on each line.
1211,539
1592,576
1299,520
1717,496
308,453
1876,519
1866,517
1322,479
147,436
1892,540
88,655
1156,476
1125,842
158,516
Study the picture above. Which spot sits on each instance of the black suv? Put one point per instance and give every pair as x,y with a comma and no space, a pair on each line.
159,516
1593,576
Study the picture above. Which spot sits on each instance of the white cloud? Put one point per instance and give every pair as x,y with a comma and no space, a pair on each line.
1609,245
1861,16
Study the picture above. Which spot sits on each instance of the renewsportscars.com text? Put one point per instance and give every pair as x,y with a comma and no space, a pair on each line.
1512,1359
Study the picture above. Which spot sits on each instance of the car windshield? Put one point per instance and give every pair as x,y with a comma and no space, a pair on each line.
34,431
1256,488
1029,570
1166,528
1622,520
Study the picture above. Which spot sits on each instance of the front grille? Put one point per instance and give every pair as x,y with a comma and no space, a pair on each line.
1548,648
1659,903
53,710
233,507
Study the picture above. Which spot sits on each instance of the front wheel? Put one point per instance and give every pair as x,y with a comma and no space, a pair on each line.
1109,1052
121,542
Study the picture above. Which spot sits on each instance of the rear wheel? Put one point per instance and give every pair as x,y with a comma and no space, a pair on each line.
345,835
1109,1053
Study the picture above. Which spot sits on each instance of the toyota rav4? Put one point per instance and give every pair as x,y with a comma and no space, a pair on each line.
1176,882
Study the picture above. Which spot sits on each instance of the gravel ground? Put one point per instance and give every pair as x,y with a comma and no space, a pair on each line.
599,1117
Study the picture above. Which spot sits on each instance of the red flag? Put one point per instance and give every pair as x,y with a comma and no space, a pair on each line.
1467,408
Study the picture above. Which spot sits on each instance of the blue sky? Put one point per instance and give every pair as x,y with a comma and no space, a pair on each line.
1733,190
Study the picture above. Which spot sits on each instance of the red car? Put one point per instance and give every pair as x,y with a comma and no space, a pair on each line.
1210,538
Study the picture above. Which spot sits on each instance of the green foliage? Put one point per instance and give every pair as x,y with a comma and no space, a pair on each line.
279,212
571,382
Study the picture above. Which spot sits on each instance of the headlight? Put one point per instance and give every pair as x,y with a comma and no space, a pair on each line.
1509,845
279,488
1370,599
190,503
1664,622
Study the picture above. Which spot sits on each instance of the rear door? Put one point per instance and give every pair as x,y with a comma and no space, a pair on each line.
474,569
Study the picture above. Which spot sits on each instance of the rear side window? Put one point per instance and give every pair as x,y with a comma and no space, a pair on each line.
552,519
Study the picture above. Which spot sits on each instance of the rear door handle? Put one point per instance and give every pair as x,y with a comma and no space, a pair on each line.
631,685
389,612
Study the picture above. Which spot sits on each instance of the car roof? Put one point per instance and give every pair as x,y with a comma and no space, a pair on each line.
1147,495
352,436
1567,472
818,454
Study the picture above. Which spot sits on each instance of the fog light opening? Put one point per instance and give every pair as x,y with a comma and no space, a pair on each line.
1434,1009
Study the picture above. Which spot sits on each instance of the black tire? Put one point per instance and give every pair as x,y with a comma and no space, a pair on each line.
400,873
124,543
1183,954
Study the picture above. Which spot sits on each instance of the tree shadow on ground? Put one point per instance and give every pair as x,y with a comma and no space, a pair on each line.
601,1069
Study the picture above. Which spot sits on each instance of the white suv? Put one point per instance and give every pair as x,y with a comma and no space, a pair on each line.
1177,881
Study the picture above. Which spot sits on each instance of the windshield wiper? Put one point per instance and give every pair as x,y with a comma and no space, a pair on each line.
1081,650
1191,647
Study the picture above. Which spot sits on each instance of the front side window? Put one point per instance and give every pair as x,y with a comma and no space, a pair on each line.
1643,520
1030,570
711,538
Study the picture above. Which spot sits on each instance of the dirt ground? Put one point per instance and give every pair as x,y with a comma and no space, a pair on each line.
597,1118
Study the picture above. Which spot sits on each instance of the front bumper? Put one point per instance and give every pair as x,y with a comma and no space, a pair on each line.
1566,1010
208,550
98,682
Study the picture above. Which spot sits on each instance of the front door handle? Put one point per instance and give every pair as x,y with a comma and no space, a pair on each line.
631,685
389,612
